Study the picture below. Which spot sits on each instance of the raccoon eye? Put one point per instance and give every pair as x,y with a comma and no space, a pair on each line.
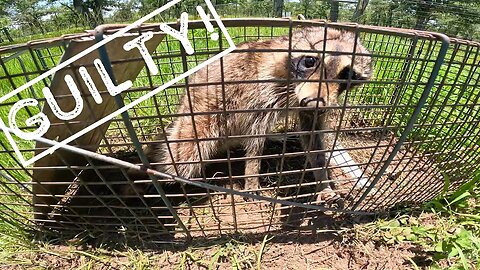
310,61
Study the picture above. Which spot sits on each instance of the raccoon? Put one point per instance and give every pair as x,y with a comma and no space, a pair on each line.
259,82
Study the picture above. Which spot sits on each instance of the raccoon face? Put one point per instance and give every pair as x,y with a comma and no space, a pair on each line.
327,78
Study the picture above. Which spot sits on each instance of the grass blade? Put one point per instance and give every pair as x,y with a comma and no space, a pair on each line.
262,249
463,259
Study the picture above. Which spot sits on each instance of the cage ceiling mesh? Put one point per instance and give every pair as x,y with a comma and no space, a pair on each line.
402,136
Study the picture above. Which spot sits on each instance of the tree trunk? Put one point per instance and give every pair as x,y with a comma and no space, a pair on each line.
38,23
7,34
97,10
278,6
85,14
334,10
361,6
79,6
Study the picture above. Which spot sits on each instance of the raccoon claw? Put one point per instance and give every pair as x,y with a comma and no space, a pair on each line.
252,186
330,198
338,203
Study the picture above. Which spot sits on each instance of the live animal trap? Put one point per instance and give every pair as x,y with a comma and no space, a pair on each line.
402,136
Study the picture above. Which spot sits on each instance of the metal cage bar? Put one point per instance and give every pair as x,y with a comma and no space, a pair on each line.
397,138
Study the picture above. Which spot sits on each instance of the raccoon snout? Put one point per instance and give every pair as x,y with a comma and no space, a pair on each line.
305,102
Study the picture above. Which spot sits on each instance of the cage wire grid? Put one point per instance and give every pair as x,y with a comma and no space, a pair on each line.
410,131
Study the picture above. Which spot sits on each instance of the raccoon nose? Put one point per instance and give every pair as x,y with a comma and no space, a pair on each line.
304,102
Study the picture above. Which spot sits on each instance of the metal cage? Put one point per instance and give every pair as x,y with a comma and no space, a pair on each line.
405,136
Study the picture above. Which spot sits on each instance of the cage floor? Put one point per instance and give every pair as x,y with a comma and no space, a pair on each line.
135,207
402,181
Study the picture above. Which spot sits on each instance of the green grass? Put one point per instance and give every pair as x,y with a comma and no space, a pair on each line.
452,235
447,230
18,38
229,252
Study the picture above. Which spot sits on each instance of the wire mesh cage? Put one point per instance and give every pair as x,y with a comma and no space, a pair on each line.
238,146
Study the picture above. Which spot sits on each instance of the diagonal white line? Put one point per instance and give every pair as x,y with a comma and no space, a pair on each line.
130,105
89,50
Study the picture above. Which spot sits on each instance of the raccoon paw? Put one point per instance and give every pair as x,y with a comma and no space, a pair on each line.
330,198
252,186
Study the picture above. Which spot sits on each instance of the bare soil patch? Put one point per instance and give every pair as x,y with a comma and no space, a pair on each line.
124,206
328,250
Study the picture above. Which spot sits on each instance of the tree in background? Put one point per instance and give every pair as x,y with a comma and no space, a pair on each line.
127,11
278,6
360,9
260,8
4,16
311,9
428,10
460,20
147,6
396,13
93,10
26,13
453,17
89,12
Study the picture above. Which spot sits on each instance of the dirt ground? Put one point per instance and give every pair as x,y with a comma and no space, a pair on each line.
329,250
216,215
403,182
317,244
325,251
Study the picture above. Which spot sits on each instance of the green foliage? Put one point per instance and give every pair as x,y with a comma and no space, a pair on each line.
458,243
462,244
26,13
452,232
463,238
311,9
126,11
146,6
453,17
